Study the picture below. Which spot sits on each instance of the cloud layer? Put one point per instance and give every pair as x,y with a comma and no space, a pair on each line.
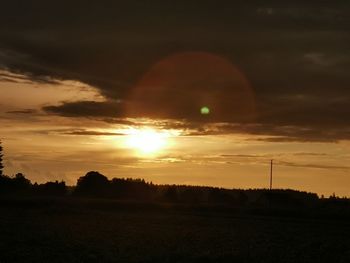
274,69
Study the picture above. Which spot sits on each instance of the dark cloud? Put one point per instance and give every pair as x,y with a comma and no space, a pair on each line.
78,132
272,132
92,133
25,111
290,133
86,109
293,54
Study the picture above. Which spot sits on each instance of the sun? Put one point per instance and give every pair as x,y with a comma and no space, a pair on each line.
146,141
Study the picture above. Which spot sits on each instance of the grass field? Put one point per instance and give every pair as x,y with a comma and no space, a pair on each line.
73,230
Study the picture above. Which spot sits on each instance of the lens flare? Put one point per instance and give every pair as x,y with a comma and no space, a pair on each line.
196,86
205,110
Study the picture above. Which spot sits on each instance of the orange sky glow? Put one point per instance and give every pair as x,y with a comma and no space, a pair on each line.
47,147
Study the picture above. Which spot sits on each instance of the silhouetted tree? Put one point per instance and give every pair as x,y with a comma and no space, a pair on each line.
50,188
1,156
133,189
6,185
14,185
21,183
93,184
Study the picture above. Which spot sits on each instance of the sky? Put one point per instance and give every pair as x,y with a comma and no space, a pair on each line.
192,92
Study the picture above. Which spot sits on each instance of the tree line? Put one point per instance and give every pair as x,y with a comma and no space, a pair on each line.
96,185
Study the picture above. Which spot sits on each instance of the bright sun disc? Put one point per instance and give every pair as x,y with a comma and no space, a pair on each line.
146,141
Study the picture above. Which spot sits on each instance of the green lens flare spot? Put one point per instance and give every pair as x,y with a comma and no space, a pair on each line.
205,110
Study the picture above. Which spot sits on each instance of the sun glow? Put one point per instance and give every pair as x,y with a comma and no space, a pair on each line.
146,141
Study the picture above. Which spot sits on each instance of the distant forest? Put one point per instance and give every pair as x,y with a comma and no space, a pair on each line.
96,185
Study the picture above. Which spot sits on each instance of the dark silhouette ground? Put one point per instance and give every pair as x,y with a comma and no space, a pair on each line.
98,230
128,220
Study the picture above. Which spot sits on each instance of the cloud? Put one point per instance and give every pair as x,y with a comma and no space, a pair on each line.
313,166
244,155
92,133
263,158
77,132
310,154
273,69
86,109
271,132
24,111
271,129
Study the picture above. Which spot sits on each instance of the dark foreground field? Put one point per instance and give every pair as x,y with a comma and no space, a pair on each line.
73,230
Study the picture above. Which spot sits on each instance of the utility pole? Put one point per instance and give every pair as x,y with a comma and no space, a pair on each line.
271,164
1,159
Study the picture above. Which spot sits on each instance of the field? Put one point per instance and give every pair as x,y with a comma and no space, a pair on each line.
77,230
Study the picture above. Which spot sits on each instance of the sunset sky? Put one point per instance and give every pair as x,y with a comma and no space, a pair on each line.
193,92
